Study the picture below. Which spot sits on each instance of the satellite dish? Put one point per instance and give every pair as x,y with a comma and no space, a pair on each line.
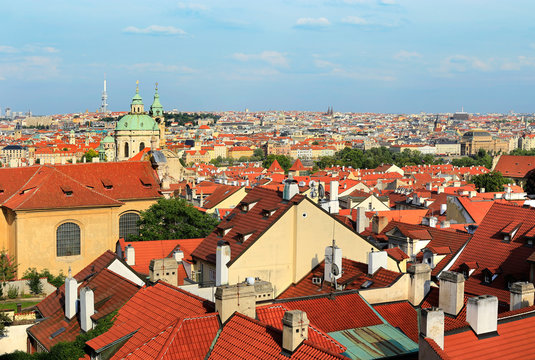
321,191
335,270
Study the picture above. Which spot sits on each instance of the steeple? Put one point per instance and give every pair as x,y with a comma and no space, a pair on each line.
156,109
137,102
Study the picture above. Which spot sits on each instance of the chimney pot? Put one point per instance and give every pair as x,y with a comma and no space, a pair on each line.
451,293
522,294
294,329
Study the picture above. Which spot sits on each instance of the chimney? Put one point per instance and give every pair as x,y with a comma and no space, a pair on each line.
376,260
222,257
451,293
362,221
178,255
482,314
443,208
87,308
521,295
333,254
294,329
482,190
290,188
334,206
231,298
429,186
130,254
433,221
445,224
432,325
165,269
71,292
74,159
379,223
440,190
419,283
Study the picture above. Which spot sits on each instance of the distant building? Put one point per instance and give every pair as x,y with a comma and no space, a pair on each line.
473,141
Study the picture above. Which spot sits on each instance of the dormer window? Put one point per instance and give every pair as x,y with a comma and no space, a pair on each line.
67,190
244,236
223,230
107,184
510,230
248,205
316,280
268,212
489,275
145,181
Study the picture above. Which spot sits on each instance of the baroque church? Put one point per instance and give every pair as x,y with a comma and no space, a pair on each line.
137,130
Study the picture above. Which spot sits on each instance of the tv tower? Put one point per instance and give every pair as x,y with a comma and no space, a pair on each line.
104,105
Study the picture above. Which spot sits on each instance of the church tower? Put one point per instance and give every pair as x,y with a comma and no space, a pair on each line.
156,111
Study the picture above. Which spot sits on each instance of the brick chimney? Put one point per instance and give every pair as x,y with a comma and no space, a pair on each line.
521,295
482,314
294,329
451,293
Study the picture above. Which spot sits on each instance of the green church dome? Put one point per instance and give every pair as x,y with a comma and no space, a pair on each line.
136,122
107,140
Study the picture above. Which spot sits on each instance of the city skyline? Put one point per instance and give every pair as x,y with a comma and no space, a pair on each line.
355,55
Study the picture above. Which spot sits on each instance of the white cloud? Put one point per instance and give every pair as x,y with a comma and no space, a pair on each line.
519,63
463,63
30,68
388,2
8,49
312,22
159,67
192,6
273,58
407,55
155,30
355,20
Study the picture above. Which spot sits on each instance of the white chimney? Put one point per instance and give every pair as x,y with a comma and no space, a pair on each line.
445,224
291,188
521,295
71,292
433,221
222,257
451,293
376,260
87,308
443,208
432,325
333,255
294,329
334,206
362,222
482,190
482,314
440,190
420,283
178,255
130,254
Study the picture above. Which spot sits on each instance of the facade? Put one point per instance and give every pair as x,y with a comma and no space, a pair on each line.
61,217
139,130
12,155
473,141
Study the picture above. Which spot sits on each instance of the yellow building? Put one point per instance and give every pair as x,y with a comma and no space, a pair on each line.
237,152
64,216
276,237
474,140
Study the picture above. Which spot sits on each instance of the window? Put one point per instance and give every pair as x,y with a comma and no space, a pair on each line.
128,225
68,239
126,154
141,146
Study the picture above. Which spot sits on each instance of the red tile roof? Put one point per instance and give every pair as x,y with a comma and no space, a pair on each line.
150,311
515,166
401,315
247,339
110,290
272,316
297,166
341,311
241,222
354,274
219,194
275,167
489,250
513,341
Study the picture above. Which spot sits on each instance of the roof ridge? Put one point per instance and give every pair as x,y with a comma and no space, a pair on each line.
37,168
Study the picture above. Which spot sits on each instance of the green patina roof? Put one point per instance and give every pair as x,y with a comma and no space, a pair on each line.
137,100
156,108
107,139
136,122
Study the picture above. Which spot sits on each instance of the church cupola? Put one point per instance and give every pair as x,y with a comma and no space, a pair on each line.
156,109
137,102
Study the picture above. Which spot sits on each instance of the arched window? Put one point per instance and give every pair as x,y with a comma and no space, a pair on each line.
128,225
68,239
126,154
141,146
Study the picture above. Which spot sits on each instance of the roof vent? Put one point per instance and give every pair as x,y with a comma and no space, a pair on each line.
107,183
67,190
145,181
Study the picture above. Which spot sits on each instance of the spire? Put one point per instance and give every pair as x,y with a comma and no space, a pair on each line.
156,109
137,102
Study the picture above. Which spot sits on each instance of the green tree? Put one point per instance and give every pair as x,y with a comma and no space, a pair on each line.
315,142
89,155
284,161
492,181
259,153
8,269
530,183
174,219
34,281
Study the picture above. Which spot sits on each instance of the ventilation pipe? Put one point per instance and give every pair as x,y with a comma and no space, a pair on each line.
130,253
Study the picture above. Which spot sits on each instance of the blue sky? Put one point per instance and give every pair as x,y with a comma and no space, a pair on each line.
355,55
